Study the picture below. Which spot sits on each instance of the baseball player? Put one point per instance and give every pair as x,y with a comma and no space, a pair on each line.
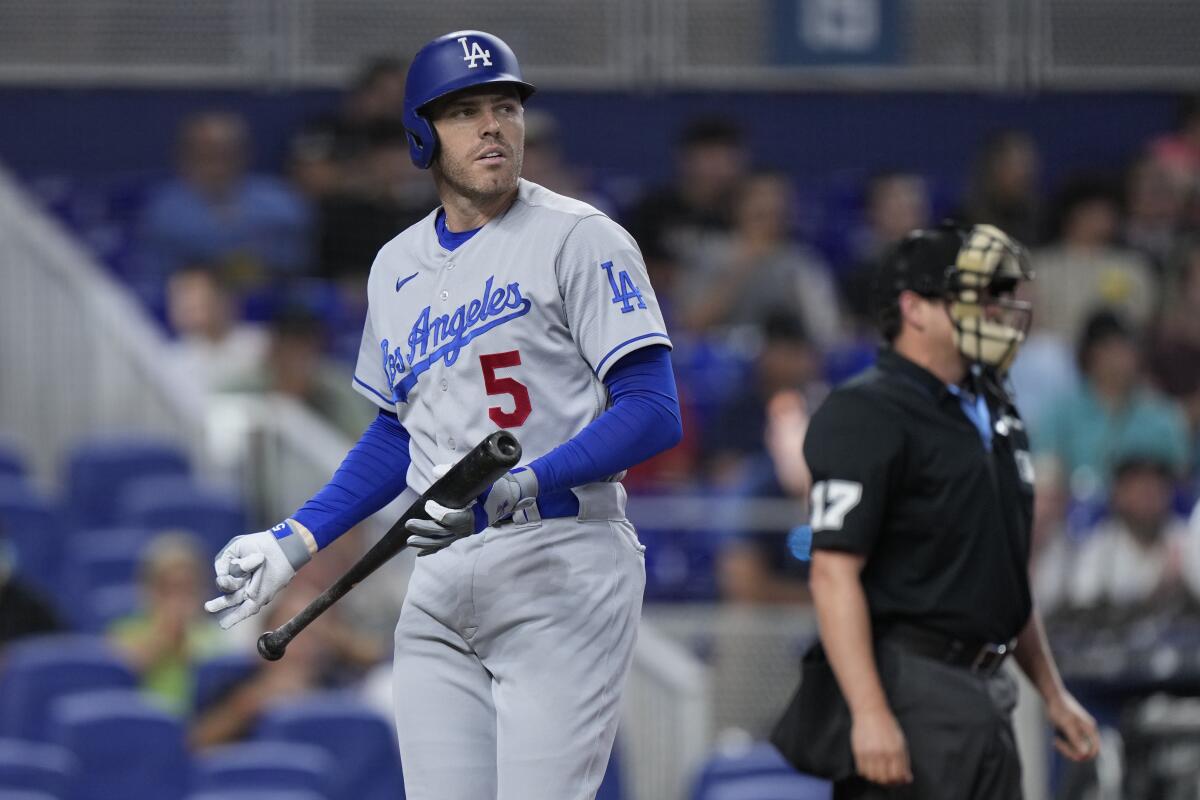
509,307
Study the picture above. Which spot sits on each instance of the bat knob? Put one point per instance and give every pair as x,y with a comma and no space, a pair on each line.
270,647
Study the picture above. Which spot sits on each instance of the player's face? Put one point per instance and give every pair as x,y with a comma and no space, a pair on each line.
481,141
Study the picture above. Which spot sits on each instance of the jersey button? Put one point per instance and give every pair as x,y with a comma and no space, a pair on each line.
445,295
445,385
449,265
451,443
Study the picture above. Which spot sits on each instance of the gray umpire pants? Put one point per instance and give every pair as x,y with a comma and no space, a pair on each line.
511,656
959,731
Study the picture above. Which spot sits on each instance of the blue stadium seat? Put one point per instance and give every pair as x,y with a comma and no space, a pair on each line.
758,760
771,787
214,677
265,765
23,794
125,746
38,671
99,471
36,767
107,604
362,742
680,565
613,785
213,515
35,527
252,794
100,560
12,464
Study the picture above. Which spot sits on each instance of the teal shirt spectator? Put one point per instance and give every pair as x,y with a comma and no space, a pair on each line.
1088,437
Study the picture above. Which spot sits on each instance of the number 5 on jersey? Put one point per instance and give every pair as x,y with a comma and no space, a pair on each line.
832,501
496,385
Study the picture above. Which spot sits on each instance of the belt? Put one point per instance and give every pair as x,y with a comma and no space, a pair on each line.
979,658
594,501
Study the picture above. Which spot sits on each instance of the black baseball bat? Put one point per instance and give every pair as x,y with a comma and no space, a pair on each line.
465,481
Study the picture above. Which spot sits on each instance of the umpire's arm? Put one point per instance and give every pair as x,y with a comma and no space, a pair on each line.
880,751
853,452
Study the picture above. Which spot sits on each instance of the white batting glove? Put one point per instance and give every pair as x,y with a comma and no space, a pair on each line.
514,491
251,570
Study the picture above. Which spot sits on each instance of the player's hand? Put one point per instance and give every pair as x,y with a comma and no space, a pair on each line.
1076,737
514,491
251,570
880,749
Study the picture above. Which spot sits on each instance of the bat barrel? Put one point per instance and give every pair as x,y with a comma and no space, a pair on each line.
505,448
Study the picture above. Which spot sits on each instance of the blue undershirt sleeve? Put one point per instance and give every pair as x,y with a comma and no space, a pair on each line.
374,473
642,421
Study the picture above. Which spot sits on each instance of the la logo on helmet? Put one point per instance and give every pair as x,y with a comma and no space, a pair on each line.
474,54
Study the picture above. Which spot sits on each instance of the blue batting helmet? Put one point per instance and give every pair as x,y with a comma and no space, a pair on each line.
446,65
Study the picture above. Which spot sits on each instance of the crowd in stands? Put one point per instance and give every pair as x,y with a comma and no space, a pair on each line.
260,280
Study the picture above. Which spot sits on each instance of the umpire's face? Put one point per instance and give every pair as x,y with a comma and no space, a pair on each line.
481,141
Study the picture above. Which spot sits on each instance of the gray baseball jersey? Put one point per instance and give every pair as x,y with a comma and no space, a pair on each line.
513,645
514,329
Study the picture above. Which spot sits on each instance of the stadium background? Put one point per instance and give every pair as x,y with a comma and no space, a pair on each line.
113,437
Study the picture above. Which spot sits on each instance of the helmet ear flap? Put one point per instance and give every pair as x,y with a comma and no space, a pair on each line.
422,140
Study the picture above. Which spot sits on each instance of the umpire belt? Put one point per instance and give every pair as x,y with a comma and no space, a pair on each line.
979,658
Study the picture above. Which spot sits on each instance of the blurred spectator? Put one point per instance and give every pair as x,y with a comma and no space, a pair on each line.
672,223
545,164
328,654
23,611
211,344
1112,411
760,567
1052,551
786,361
896,203
1003,190
1045,371
324,144
298,367
1174,355
1155,204
1084,268
164,640
758,270
1133,561
380,194
1179,151
215,212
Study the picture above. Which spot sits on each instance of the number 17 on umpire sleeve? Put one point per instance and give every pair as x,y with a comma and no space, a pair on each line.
832,501
496,385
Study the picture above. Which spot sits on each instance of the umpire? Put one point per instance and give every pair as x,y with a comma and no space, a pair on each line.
922,502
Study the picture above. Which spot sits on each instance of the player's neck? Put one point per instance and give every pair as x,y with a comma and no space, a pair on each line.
468,213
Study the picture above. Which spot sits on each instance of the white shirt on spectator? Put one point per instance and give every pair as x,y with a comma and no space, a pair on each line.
1116,569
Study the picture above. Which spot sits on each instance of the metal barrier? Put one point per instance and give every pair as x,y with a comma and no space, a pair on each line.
78,356
787,44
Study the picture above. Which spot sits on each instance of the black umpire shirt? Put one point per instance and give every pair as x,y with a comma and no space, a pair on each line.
903,477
